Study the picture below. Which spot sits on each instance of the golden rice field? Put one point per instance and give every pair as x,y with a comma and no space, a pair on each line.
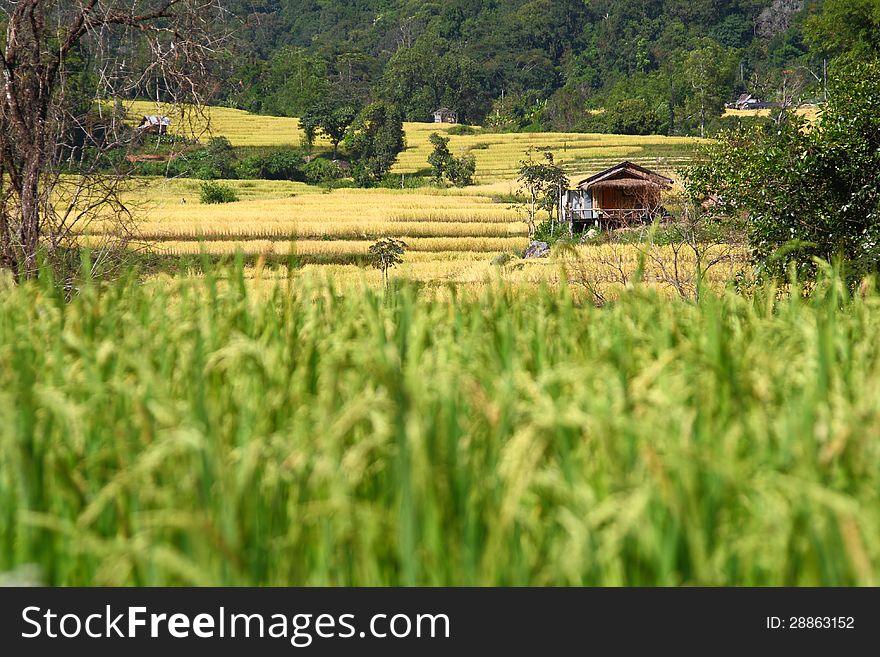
588,269
240,128
452,234
809,112
498,155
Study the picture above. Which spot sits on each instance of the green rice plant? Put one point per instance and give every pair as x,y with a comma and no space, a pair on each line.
199,431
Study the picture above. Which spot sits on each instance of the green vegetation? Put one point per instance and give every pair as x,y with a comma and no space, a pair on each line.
805,193
214,193
193,432
386,254
459,171
522,65
374,141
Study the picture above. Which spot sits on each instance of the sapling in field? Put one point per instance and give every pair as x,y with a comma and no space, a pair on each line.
543,182
386,254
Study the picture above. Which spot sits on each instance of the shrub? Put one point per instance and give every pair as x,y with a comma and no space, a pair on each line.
461,130
461,170
215,193
551,232
320,171
285,164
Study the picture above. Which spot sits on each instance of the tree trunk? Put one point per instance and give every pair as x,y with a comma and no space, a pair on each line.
29,224
532,218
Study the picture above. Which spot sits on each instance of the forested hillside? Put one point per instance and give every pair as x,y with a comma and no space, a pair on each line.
663,65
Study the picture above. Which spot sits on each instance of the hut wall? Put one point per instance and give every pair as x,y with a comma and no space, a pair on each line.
617,198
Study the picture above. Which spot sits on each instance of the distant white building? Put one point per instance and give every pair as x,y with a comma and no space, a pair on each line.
445,115
749,102
155,125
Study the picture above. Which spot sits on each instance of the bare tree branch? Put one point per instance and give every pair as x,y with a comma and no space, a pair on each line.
65,64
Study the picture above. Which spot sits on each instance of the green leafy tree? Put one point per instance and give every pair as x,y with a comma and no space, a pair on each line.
707,69
309,125
542,181
806,192
440,158
632,116
386,254
462,170
435,72
374,141
330,116
289,83
459,171
845,26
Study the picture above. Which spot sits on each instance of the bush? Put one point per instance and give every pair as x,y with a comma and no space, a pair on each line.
216,161
551,232
461,170
215,193
321,171
461,130
285,164
404,181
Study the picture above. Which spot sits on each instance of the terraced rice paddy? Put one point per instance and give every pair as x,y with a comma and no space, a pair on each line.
452,234
498,155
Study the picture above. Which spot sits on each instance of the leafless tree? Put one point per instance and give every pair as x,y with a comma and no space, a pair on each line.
67,67
678,250
693,245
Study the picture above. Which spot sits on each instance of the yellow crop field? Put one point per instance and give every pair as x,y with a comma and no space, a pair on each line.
809,112
170,210
337,247
452,234
239,127
498,154
602,269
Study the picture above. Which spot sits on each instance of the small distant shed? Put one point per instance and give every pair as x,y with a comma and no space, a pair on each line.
624,194
750,102
155,125
445,115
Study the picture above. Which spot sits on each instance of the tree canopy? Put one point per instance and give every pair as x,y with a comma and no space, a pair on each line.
491,60
806,193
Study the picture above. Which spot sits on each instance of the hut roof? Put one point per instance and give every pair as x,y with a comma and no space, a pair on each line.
628,175
156,120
